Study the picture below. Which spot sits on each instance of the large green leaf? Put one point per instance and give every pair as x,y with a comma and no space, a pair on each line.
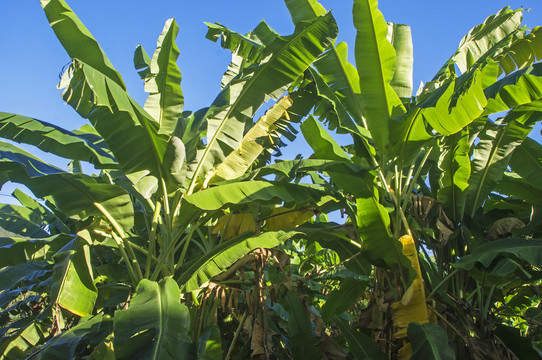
130,133
303,10
287,58
361,346
155,324
21,221
245,46
400,37
302,344
454,162
373,222
341,76
529,250
73,288
16,163
11,276
343,298
516,91
90,330
227,253
77,40
336,115
429,341
526,161
491,154
17,251
375,61
321,142
74,194
522,51
165,101
53,139
455,105
239,193
483,37
46,216
18,346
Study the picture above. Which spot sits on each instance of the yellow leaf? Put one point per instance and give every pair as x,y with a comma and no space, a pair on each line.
412,306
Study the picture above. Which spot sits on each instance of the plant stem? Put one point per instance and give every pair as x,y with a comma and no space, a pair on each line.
186,241
236,336
126,259
439,285
152,237
415,178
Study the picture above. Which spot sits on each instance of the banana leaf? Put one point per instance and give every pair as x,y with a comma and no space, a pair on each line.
200,271
155,325
53,139
286,59
361,346
429,341
375,62
165,101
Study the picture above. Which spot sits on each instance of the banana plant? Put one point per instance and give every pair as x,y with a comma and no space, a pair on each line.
103,259
448,166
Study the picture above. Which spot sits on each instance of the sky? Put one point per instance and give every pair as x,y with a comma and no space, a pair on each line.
32,58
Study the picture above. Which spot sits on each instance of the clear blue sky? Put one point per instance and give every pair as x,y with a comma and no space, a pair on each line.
32,58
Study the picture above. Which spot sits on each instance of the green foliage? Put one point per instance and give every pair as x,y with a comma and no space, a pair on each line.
191,242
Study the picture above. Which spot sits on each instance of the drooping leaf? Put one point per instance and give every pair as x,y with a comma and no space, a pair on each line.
526,161
73,288
163,83
53,139
303,10
91,329
335,116
18,251
77,40
529,250
155,324
21,221
429,341
456,104
11,276
492,153
227,253
18,345
74,194
522,51
247,47
240,193
321,142
521,90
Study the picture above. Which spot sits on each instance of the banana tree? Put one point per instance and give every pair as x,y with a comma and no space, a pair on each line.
451,170
98,267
